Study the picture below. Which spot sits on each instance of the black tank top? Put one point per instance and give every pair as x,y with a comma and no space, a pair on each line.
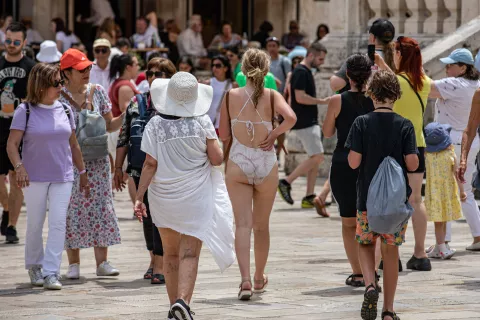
354,104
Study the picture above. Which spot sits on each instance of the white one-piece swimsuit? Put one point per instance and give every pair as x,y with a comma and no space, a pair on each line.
255,163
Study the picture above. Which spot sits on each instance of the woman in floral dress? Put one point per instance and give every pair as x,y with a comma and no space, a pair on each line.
91,222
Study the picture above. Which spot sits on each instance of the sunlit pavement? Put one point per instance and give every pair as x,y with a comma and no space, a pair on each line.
307,269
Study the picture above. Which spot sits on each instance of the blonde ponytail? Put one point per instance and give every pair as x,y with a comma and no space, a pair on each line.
255,66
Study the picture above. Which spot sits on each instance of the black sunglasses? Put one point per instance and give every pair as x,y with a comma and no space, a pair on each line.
157,74
58,83
16,43
102,50
86,69
217,65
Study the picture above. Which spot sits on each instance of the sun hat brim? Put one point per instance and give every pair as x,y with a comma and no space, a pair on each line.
48,58
166,105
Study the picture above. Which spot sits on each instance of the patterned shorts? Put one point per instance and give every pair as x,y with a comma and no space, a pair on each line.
365,236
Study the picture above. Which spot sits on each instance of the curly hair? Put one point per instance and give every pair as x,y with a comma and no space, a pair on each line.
255,66
359,69
383,87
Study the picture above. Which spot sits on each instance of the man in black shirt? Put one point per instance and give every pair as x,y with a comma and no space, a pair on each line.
14,71
307,129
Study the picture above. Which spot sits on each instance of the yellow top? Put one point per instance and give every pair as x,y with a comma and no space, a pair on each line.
410,108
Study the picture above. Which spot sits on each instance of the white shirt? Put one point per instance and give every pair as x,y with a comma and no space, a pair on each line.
33,36
187,194
190,43
219,89
100,76
66,40
146,38
2,37
101,10
454,107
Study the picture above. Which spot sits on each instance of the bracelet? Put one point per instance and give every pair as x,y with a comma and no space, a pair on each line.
18,165
82,172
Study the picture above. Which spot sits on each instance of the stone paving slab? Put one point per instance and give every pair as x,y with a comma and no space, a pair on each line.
307,269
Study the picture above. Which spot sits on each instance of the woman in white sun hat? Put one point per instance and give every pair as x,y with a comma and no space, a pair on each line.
48,52
188,198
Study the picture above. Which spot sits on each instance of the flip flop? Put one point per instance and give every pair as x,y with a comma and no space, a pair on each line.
148,274
320,206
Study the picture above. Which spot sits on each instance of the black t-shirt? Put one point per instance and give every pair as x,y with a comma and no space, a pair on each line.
354,104
377,135
307,115
13,86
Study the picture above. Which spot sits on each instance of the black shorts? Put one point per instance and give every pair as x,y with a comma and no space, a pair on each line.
343,182
5,164
421,161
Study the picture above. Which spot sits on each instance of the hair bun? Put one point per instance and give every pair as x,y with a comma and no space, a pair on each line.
254,73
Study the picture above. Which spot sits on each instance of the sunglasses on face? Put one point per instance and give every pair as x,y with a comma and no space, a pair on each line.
217,65
58,83
102,50
16,43
87,69
157,74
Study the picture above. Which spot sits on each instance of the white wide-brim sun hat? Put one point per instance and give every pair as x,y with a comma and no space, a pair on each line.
181,96
49,52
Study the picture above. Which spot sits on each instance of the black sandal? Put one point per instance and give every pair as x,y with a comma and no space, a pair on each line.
393,315
148,274
355,283
377,278
158,279
369,305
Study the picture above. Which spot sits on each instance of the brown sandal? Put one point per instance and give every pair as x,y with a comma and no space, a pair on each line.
321,207
243,294
263,282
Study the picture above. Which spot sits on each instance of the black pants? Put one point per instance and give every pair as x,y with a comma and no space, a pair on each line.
150,231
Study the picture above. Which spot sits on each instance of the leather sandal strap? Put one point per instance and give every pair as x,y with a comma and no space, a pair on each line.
388,314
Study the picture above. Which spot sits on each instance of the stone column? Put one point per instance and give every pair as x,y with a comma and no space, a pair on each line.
417,10
398,10
470,10
379,8
452,22
437,12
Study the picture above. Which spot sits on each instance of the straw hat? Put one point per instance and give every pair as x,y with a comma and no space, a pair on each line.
181,96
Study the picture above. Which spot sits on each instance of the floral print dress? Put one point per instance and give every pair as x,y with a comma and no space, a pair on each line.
91,222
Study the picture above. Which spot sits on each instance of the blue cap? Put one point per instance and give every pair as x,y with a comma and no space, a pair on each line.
477,61
437,136
459,55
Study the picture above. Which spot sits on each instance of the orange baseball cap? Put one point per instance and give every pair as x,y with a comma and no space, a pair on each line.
73,58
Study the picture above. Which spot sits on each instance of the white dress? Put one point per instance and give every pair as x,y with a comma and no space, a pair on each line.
187,194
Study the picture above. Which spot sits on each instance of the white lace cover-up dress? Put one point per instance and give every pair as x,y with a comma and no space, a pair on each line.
187,194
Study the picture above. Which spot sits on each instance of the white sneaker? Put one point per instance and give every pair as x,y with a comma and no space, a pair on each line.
73,271
447,254
105,269
474,247
51,282
434,252
36,278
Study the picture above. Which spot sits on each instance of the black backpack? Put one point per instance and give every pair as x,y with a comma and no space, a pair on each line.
136,157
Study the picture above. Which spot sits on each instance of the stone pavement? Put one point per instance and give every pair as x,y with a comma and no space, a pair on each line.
307,269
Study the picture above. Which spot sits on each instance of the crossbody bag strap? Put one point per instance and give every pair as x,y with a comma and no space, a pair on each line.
89,101
71,101
272,106
418,96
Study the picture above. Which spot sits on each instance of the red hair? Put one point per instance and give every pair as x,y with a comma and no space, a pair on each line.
411,62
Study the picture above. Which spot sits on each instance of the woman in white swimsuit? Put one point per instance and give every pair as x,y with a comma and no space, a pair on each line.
251,163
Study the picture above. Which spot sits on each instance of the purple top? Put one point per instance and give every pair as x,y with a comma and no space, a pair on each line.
46,153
